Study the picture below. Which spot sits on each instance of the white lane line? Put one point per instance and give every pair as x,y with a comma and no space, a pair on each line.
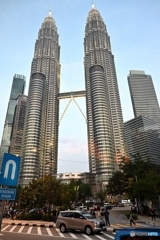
100,237
49,232
107,235
72,235
87,237
29,230
5,227
20,230
58,231
11,230
39,231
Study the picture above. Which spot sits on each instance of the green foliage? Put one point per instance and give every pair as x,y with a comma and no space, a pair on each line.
137,178
50,191
46,217
117,184
79,190
34,216
101,195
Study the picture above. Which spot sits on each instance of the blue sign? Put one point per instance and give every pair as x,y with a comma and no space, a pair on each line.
10,170
7,194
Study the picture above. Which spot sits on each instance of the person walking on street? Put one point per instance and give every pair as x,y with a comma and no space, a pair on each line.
54,215
153,214
131,219
106,216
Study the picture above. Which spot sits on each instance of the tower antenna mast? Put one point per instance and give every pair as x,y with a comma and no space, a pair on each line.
92,3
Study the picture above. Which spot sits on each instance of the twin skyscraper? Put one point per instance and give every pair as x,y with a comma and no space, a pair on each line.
106,145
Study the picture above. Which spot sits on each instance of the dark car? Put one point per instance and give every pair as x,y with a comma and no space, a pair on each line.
36,210
109,207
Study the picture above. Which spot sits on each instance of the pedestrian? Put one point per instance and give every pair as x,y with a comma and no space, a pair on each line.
54,215
106,216
101,214
131,220
153,214
93,212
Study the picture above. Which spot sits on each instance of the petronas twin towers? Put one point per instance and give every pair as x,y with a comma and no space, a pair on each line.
104,115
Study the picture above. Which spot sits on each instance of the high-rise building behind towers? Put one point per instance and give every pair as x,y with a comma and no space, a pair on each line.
18,125
18,86
104,114
143,96
40,142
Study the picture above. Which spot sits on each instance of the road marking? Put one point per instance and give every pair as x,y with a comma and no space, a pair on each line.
49,232
29,230
60,234
20,230
107,235
39,231
13,228
86,236
5,227
72,235
100,237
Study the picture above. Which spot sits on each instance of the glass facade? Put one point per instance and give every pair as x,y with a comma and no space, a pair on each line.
40,142
104,114
142,136
143,96
18,86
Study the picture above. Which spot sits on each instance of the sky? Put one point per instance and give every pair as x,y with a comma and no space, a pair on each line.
134,30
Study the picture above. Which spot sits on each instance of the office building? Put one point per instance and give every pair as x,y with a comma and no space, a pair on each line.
18,125
18,86
142,136
40,142
143,96
104,114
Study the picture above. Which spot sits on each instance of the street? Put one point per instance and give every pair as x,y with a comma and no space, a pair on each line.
26,232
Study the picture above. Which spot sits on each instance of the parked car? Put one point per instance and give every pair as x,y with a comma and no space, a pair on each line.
121,205
36,210
82,208
79,220
109,207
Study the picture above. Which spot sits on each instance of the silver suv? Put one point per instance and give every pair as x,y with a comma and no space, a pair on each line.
78,220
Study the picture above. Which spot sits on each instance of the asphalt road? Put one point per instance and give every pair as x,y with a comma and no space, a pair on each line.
16,232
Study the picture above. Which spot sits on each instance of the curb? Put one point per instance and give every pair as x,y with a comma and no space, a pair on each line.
32,224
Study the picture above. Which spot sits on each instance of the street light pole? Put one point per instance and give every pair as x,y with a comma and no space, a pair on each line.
50,181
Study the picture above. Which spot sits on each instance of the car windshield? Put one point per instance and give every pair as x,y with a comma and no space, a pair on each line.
87,215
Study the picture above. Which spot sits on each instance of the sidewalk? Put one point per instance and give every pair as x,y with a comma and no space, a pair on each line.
142,219
148,219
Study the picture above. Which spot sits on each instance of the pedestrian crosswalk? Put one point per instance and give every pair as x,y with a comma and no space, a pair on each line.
46,231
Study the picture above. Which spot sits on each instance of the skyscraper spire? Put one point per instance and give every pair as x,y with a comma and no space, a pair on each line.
92,4
50,12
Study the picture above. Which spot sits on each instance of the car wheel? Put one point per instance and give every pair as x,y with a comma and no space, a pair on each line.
63,228
88,230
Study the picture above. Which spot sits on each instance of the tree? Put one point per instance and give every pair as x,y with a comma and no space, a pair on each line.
117,184
101,195
138,179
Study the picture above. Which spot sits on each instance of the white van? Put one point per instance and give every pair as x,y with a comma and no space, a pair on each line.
107,204
82,208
